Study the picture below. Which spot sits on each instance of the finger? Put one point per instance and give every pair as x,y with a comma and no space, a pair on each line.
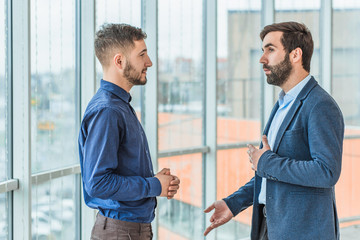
173,188
165,170
171,194
208,230
212,218
265,141
175,181
211,207
251,148
252,167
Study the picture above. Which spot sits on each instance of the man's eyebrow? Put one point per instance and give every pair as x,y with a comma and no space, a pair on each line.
143,51
268,45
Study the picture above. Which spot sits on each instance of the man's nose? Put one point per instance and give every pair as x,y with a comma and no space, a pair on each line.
262,59
148,63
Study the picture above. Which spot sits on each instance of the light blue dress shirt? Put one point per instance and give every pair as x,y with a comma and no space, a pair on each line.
285,103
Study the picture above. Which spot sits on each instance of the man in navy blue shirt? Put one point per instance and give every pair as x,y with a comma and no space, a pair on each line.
116,167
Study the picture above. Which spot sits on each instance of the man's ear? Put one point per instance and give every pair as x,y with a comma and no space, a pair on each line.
119,61
296,55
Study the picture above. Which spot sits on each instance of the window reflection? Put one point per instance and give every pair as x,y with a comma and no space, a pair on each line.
181,82
4,211
239,85
239,76
181,217
53,209
119,11
346,91
53,86
307,12
4,120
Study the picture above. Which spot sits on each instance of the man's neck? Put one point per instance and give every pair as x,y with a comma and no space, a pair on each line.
117,80
293,80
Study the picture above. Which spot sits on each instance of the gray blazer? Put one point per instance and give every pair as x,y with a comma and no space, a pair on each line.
301,171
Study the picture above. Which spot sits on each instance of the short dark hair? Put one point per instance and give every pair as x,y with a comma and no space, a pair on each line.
114,37
294,35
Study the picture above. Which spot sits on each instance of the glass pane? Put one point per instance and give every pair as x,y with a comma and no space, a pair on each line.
4,120
239,72
181,218
53,209
307,12
4,82
4,211
346,91
233,173
181,81
239,84
53,84
119,11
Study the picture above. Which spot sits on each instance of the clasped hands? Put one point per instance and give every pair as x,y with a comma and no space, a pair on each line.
222,212
169,183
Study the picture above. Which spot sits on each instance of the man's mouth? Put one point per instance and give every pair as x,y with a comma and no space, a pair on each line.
266,70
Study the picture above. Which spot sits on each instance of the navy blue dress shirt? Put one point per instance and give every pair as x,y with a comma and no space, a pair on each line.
116,167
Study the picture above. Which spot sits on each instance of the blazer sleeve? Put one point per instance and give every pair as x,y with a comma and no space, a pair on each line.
325,134
242,198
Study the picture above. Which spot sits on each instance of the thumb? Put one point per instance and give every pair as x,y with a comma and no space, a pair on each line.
165,171
211,207
265,142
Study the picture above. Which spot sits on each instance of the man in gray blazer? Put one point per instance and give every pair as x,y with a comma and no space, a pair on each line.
299,159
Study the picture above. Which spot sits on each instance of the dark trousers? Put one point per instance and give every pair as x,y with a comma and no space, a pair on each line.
113,229
263,230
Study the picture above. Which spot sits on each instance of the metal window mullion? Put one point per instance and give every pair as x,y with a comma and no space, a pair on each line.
86,60
268,96
210,107
326,19
183,151
21,119
9,132
149,111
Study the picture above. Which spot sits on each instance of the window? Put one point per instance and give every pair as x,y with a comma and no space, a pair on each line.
54,117
307,12
346,91
53,85
180,74
54,209
180,112
5,174
119,11
239,85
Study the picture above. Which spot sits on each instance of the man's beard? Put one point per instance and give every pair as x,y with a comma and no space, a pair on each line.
132,75
280,72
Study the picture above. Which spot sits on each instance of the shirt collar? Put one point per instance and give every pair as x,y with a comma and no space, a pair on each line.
285,99
115,89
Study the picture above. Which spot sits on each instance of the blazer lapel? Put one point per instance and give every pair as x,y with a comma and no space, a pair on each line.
267,127
294,108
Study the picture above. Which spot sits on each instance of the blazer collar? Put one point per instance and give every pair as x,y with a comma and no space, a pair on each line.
290,115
